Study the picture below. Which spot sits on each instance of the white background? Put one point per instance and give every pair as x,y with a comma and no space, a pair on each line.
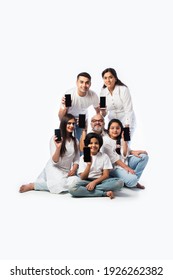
44,45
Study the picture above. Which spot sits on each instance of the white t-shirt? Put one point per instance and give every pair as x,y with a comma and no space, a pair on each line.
80,104
109,147
119,105
99,162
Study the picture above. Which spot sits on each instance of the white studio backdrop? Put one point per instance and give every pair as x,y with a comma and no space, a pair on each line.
44,45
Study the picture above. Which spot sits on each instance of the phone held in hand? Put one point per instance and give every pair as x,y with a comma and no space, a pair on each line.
81,120
58,135
68,100
103,102
126,133
86,154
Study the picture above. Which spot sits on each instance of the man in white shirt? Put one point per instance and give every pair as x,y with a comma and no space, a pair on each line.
82,98
97,126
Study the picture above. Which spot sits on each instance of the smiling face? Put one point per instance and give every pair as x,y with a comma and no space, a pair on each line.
70,125
94,146
114,130
109,80
97,123
83,85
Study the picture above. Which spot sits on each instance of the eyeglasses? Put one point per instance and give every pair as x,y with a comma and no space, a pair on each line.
94,121
71,123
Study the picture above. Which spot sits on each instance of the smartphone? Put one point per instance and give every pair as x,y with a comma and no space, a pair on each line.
81,121
68,100
86,154
102,101
126,133
58,135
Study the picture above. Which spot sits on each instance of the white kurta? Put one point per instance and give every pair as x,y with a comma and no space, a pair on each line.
119,106
56,174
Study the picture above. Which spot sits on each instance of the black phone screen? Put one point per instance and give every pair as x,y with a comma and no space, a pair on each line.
58,134
102,101
81,121
68,100
86,154
126,133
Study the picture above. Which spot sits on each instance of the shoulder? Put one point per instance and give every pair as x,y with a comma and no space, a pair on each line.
92,93
123,89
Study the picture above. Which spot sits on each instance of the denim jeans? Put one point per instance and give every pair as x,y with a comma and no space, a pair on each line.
78,132
111,184
137,164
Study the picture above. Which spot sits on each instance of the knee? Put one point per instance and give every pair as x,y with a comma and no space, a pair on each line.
145,157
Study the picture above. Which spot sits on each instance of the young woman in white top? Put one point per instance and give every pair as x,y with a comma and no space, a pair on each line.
60,171
94,175
127,165
118,100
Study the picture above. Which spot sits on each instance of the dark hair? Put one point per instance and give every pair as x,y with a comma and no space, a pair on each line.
118,140
114,73
84,74
65,134
91,135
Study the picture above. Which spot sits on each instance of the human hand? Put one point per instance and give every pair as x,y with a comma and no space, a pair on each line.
129,170
91,186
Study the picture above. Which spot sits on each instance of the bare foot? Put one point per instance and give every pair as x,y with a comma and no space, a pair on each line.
139,186
110,194
27,187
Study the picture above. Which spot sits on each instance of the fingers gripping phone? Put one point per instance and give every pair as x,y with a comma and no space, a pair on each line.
86,154
68,100
103,102
81,121
58,135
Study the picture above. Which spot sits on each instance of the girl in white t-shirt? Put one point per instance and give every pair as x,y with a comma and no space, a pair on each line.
127,165
60,171
94,175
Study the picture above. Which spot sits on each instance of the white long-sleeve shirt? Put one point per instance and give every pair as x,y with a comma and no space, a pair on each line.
119,105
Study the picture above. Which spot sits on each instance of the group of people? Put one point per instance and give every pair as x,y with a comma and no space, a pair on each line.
112,164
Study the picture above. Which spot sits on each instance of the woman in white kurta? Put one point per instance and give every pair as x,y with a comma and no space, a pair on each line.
60,171
118,99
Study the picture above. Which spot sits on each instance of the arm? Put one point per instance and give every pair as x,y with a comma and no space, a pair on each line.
125,166
124,146
63,109
56,154
81,143
137,153
73,170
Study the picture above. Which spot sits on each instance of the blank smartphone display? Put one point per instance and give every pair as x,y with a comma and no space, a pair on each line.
68,100
58,134
126,133
81,121
86,154
102,101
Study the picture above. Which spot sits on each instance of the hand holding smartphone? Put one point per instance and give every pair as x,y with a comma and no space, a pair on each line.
126,133
86,154
58,135
68,100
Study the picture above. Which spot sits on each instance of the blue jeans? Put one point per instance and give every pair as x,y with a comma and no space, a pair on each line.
111,184
137,164
78,132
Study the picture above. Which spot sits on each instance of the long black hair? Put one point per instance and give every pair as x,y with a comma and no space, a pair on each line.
118,140
65,134
114,73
